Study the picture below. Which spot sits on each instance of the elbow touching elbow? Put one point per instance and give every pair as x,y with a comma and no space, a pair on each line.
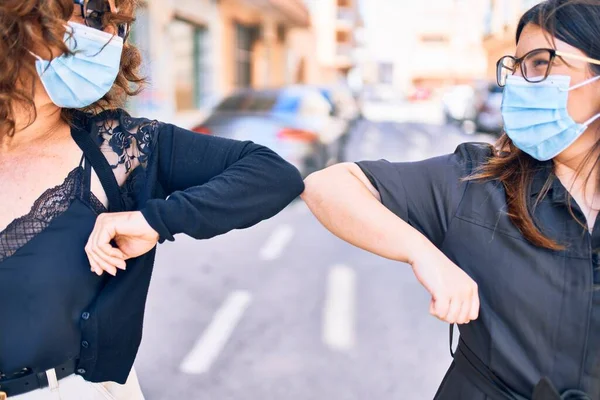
316,183
311,184
295,180
292,179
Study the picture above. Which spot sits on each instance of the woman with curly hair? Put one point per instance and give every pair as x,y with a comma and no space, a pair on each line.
506,239
85,186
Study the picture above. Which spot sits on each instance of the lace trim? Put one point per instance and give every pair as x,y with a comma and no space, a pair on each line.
130,139
52,203
96,204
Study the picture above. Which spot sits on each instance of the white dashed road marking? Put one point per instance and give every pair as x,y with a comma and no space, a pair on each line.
277,242
339,313
211,343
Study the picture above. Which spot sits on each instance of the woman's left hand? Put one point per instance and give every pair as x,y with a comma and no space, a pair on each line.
129,230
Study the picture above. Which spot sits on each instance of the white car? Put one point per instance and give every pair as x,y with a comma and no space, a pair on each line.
459,104
383,104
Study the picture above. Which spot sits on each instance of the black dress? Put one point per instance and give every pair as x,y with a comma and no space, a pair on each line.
52,307
45,284
540,309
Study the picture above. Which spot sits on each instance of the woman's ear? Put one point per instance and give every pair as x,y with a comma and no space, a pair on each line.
113,7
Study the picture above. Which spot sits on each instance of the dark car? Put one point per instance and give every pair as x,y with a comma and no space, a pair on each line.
342,100
475,108
297,122
345,107
489,114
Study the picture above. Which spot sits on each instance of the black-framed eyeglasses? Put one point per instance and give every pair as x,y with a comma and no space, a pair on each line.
535,66
93,12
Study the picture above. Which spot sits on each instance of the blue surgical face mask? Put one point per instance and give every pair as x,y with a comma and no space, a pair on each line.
81,79
536,117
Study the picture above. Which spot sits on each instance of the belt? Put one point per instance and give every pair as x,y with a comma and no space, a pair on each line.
481,376
33,381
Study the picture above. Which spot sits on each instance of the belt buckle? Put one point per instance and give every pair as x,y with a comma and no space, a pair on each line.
3,396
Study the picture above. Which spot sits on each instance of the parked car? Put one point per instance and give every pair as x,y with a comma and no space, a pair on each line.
458,103
489,114
345,107
342,100
476,108
383,104
420,94
297,122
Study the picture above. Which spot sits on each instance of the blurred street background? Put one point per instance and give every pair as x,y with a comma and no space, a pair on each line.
284,310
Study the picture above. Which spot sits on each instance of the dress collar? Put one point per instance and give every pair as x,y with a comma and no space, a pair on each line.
557,193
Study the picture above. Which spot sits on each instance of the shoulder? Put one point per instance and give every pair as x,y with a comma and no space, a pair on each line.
473,154
118,122
126,141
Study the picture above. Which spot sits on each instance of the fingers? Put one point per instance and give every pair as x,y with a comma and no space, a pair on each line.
114,253
95,267
108,254
101,254
456,309
440,307
463,316
475,305
470,308
460,308
101,265
93,259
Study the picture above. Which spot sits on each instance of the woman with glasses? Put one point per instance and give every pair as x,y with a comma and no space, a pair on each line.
505,238
87,190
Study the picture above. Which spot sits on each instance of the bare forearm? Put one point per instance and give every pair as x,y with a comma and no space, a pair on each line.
346,206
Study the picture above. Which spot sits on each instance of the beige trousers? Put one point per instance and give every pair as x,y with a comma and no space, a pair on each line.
75,387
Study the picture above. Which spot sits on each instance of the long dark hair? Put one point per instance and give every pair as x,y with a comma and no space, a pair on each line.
576,22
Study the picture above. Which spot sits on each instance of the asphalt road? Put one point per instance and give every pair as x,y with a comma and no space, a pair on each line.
286,311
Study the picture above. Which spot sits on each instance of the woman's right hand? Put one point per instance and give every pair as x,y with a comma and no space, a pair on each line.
345,201
454,295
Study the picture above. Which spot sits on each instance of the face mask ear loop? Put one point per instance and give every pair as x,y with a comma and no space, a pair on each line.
582,84
36,56
591,120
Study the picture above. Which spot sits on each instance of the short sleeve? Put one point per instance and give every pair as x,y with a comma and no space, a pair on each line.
426,194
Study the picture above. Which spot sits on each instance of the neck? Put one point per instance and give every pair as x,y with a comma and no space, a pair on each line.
29,130
577,157
577,168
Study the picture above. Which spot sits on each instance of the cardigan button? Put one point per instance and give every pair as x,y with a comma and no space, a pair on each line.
81,371
85,344
85,315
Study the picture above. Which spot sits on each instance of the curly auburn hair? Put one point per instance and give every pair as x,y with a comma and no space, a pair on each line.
29,24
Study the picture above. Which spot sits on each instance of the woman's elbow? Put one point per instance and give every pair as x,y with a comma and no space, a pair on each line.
291,179
316,184
297,183
311,184
281,177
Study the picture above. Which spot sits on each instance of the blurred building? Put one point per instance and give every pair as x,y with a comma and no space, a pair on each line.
197,51
500,25
447,49
337,25
179,41
255,43
428,44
